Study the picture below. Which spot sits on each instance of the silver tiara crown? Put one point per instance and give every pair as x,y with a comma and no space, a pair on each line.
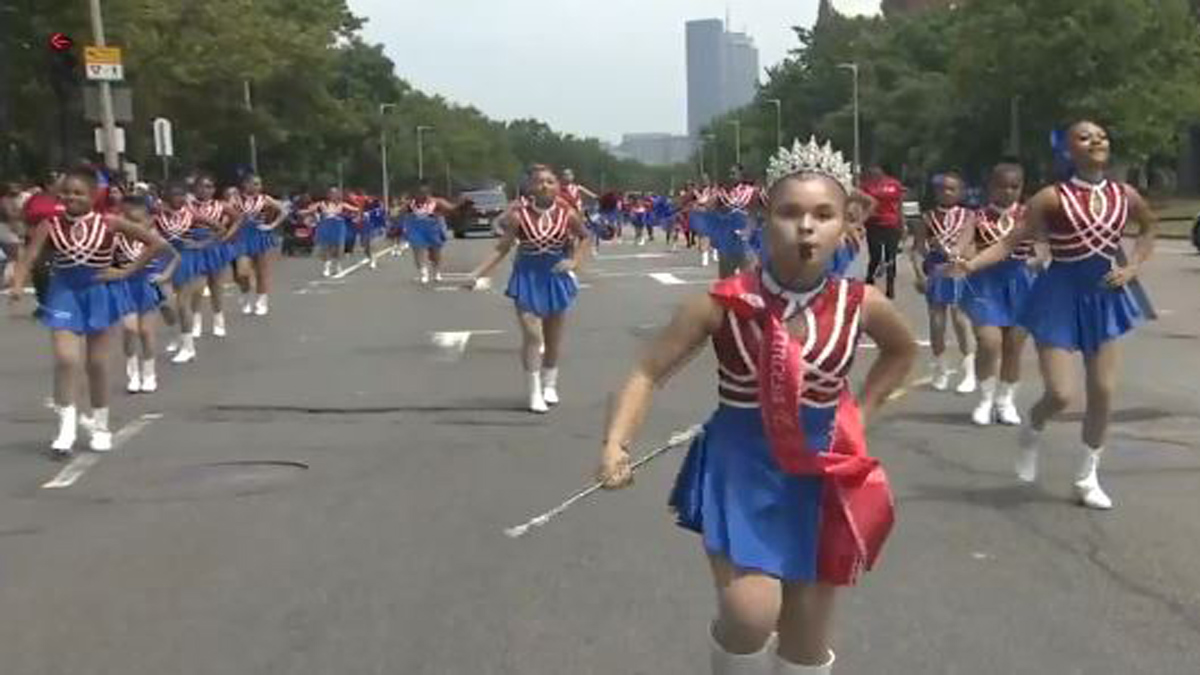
811,157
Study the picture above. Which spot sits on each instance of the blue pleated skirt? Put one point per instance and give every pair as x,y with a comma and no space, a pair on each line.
996,296
725,230
331,232
731,491
255,241
192,264
75,301
942,289
537,289
1069,307
141,296
842,259
424,232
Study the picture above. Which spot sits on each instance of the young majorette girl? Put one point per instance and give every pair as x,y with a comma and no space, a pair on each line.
175,222
425,230
332,214
260,218
1081,303
84,300
573,192
551,242
145,295
730,224
936,243
779,485
374,225
699,205
993,298
219,217
859,208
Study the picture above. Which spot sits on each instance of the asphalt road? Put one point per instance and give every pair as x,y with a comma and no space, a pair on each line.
325,493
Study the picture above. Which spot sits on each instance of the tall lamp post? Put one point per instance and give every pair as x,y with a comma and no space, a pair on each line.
383,153
710,138
853,68
421,129
778,121
737,140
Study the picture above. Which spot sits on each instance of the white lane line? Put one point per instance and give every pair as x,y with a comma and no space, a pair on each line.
907,389
641,273
76,468
362,263
453,343
867,344
666,278
634,256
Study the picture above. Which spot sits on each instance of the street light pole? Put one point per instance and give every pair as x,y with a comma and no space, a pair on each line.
709,138
853,68
737,141
253,139
112,158
421,129
778,121
1014,128
383,153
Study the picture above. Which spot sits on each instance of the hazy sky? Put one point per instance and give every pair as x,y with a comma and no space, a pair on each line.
590,67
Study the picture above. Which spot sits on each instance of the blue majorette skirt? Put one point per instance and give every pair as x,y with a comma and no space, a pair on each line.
76,302
996,296
942,289
537,289
425,232
256,241
141,296
730,490
843,258
1069,307
192,264
727,231
331,232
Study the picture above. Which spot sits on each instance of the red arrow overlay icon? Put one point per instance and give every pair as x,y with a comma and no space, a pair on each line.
60,42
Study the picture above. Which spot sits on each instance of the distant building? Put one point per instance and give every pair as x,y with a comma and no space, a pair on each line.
656,149
722,71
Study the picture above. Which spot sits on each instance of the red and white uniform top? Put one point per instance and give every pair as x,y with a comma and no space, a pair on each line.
1090,222
175,226
829,321
327,209
739,197
87,241
210,211
424,208
252,207
127,250
544,230
572,193
993,223
944,226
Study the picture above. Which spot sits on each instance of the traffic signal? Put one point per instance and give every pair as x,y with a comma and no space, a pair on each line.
64,64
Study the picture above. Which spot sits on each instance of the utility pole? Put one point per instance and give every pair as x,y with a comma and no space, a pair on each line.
253,139
112,158
778,121
383,153
421,129
853,68
737,141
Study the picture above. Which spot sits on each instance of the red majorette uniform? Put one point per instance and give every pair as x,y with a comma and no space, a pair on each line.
943,227
176,228
76,300
780,481
255,238
1070,306
544,238
216,253
997,295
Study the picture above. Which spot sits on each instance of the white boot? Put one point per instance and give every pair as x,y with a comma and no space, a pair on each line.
423,278
149,376
68,425
197,325
537,403
247,303
984,413
219,325
550,385
437,276
262,305
724,663
337,269
372,263
102,438
941,373
172,345
133,375
1087,481
783,667
968,384
704,258
327,269
1029,441
187,350
1006,405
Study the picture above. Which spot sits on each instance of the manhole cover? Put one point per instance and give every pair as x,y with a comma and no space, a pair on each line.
219,479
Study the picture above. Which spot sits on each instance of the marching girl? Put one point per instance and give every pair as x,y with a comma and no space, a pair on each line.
144,295
607,225
213,221
332,214
993,298
374,225
1082,303
729,226
935,243
551,242
573,192
779,486
259,218
639,215
83,302
175,221
396,225
700,205
425,229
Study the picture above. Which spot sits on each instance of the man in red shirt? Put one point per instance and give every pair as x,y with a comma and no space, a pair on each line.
885,226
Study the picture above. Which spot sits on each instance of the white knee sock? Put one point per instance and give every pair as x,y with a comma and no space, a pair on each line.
724,663
784,667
